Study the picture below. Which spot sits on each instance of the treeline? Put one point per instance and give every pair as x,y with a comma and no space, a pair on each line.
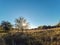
49,27
21,24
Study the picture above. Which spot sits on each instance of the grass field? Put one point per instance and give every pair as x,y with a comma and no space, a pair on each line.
32,37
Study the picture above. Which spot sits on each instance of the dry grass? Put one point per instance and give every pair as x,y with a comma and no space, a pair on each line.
42,36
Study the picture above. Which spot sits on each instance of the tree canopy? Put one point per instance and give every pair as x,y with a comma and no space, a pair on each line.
6,25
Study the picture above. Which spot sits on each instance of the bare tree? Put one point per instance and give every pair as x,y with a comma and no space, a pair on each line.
21,23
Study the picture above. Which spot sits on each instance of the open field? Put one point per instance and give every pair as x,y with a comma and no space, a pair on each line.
32,37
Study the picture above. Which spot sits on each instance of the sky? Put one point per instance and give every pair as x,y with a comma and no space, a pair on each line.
36,12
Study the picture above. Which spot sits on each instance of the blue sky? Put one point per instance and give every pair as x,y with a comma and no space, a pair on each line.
37,12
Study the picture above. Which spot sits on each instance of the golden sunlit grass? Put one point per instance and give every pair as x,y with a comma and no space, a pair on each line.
55,31
43,35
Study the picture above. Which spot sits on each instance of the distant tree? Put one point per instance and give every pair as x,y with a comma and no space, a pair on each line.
58,25
21,23
49,26
42,27
6,25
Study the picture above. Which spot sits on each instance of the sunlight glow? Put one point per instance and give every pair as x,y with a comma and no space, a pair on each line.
24,24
